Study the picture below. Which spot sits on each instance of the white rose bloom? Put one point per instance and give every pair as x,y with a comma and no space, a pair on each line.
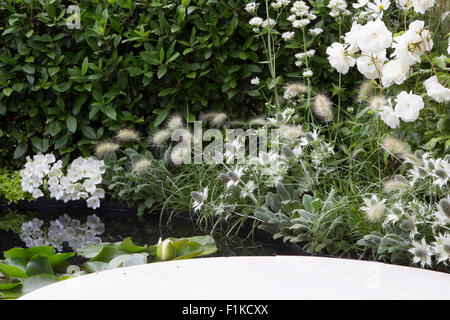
395,71
351,38
408,106
388,115
374,37
339,59
437,91
420,6
368,68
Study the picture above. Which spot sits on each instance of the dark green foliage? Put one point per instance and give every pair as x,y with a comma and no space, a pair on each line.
130,65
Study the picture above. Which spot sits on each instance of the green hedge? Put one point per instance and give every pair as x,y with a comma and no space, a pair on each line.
130,65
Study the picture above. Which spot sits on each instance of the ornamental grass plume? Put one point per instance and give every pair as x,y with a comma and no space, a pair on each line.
396,183
160,137
294,90
127,135
365,91
377,102
105,148
395,146
290,132
142,166
257,122
218,119
175,122
322,108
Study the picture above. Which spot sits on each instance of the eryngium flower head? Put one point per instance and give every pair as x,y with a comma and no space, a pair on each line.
323,108
374,209
104,148
422,253
127,135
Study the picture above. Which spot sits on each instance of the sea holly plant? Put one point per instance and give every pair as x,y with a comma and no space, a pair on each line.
25,270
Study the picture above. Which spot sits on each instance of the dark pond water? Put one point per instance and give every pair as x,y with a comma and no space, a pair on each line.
148,230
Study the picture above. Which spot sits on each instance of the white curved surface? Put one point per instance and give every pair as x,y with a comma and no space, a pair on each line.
239,278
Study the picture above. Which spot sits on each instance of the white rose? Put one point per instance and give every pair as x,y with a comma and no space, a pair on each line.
437,91
395,71
351,38
339,59
388,115
408,106
420,6
374,37
368,68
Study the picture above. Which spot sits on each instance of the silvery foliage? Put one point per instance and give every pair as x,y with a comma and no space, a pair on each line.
64,229
247,182
80,181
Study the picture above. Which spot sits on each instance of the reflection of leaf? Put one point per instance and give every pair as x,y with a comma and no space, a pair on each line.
39,265
91,250
128,260
130,247
38,281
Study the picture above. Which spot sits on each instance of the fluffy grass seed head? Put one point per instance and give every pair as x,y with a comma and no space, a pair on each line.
180,155
142,166
105,148
375,103
257,122
127,135
322,108
365,91
294,90
175,122
395,146
160,137
290,132
218,119
396,183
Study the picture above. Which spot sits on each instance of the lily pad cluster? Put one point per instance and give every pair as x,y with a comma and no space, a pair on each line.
25,270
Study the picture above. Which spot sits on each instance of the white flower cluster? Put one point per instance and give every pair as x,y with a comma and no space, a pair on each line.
408,106
80,182
280,4
63,229
338,8
252,7
301,16
373,39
